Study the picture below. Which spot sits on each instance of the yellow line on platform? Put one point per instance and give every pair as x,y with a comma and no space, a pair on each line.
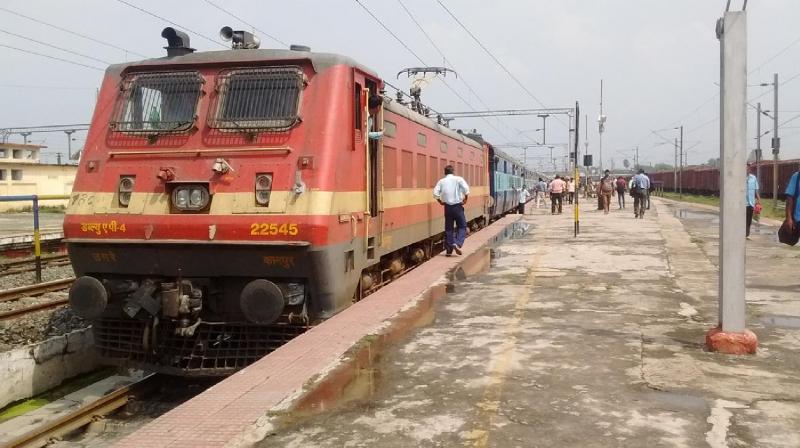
487,408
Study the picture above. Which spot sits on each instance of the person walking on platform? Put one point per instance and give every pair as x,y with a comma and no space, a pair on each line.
641,185
523,199
557,188
570,190
622,188
452,192
541,190
753,198
605,189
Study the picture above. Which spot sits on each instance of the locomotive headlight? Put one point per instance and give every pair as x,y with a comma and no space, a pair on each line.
124,190
263,188
182,198
195,198
190,197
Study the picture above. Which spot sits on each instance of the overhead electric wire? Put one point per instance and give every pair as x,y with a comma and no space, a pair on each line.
55,46
246,23
494,58
74,33
52,57
765,62
152,14
445,60
386,28
397,38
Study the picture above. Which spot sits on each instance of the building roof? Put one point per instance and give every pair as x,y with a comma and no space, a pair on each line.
20,146
15,164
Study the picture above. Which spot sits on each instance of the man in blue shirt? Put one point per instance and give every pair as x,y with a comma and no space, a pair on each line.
792,204
642,185
452,192
752,198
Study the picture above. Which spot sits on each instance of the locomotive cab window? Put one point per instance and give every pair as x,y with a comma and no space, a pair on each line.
157,102
257,99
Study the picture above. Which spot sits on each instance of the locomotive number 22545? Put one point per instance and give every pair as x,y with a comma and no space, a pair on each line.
265,229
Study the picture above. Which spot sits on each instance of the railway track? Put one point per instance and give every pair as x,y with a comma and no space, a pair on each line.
86,414
12,294
10,267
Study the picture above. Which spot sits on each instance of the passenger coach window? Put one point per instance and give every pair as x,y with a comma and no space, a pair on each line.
257,98
157,102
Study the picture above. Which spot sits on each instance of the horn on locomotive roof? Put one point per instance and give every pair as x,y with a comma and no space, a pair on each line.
177,42
241,40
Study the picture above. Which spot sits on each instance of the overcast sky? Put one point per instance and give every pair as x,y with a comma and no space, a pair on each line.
659,60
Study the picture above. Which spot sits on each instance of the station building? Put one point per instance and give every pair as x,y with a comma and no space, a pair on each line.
22,173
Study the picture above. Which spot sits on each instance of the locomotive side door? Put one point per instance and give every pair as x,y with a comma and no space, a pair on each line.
367,122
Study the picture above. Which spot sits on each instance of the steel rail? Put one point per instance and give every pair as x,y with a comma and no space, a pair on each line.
35,290
16,266
85,415
33,308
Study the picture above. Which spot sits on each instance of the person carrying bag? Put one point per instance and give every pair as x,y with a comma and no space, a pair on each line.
789,233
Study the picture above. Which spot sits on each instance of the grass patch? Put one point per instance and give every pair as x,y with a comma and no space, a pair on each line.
67,387
766,211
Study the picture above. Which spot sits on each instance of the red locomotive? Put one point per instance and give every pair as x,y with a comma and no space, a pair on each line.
227,200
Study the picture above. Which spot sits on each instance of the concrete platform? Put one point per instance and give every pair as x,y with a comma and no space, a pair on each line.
316,369
21,224
591,342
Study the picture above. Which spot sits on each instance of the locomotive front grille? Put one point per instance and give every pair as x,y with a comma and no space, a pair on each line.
214,349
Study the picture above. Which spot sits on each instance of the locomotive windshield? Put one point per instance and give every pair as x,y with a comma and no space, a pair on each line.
157,102
257,99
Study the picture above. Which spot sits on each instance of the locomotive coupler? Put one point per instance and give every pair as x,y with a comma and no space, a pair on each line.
182,302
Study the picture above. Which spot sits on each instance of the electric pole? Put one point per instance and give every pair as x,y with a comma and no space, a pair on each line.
758,142
601,125
675,168
69,133
776,145
544,127
680,173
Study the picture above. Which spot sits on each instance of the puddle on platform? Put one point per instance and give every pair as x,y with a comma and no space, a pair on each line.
356,382
683,213
781,321
512,231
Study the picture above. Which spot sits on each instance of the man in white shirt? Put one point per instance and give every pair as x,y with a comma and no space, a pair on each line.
523,198
641,185
452,191
374,104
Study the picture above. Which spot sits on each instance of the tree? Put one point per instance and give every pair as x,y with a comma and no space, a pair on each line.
625,163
